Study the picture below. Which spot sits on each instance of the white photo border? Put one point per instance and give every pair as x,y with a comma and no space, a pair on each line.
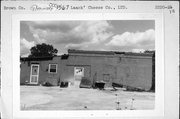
159,64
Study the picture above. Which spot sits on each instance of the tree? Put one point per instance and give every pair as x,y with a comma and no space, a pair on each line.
43,50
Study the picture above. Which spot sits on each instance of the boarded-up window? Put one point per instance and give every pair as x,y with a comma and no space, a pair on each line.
52,68
106,77
79,71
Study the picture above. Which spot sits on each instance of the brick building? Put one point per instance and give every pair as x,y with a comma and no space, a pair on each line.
123,68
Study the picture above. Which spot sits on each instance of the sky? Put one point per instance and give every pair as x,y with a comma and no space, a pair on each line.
104,35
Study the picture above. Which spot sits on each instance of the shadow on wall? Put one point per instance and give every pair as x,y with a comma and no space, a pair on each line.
153,73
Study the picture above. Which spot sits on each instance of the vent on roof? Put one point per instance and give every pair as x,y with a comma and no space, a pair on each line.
65,56
119,52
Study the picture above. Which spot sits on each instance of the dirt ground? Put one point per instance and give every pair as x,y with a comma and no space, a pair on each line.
56,98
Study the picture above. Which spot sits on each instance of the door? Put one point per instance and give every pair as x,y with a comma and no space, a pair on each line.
78,74
34,74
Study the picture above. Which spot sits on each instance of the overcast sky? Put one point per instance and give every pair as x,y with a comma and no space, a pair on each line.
118,35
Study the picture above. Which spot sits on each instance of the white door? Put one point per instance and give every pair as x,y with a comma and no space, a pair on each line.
34,74
78,74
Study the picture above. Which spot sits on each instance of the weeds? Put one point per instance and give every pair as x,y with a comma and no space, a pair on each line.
132,104
126,108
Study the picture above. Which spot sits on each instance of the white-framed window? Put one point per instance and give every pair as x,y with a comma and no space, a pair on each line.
52,68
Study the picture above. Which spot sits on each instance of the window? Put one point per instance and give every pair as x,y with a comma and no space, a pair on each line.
52,68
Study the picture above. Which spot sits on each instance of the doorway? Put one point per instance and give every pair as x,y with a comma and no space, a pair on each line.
78,74
34,75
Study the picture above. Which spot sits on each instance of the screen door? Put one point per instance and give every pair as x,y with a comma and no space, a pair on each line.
34,74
